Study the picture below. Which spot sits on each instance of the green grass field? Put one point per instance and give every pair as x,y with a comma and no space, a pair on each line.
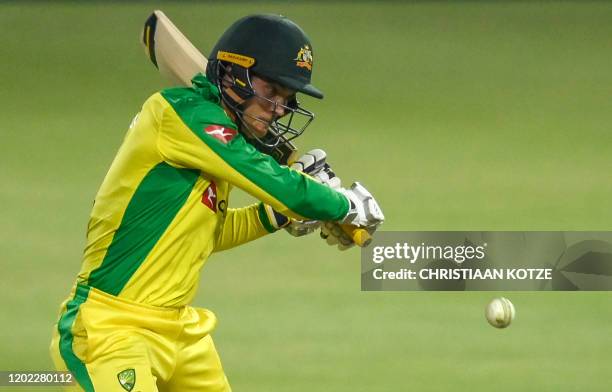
457,115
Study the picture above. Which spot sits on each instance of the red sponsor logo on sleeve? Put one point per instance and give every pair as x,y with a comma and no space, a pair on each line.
223,134
209,197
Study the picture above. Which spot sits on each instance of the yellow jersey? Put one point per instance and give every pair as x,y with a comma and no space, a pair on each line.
163,206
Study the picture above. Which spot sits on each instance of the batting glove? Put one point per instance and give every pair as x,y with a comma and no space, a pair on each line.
333,234
314,164
364,211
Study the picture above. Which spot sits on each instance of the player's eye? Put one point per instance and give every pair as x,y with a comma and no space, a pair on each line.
272,92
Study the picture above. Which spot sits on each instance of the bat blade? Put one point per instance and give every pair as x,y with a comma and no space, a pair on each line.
170,51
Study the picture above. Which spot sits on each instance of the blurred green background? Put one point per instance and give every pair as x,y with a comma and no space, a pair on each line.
457,115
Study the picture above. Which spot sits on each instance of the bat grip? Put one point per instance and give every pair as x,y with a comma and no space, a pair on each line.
360,236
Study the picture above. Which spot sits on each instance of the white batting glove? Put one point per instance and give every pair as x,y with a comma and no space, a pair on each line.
364,211
326,176
311,162
314,164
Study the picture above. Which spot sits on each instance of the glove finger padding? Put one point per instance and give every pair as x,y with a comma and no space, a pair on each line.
326,176
310,163
334,235
314,164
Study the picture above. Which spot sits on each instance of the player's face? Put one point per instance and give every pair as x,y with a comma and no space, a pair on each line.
267,106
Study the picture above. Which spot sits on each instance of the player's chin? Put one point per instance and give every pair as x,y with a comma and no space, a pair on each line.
260,128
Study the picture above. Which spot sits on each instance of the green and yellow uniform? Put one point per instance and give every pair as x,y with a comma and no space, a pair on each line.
161,211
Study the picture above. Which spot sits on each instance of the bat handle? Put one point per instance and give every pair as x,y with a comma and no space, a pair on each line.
360,236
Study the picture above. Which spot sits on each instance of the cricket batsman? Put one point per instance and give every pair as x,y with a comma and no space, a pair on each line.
163,209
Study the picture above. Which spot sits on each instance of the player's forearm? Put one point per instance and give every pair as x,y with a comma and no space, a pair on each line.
308,199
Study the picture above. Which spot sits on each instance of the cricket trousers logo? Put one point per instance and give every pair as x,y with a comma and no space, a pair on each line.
209,197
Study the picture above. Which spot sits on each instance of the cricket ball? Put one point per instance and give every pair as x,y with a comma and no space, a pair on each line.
500,312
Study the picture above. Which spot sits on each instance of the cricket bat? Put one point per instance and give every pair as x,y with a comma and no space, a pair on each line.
178,60
170,51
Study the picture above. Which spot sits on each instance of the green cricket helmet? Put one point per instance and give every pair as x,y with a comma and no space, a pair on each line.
275,49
